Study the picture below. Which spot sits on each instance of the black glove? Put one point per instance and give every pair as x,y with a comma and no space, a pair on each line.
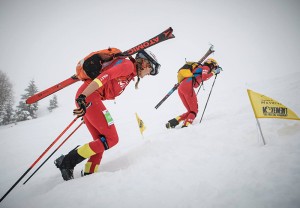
79,112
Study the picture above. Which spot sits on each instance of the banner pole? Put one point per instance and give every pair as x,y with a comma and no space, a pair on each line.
262,136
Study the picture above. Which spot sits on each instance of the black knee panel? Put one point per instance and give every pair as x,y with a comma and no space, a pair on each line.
104,142
194,113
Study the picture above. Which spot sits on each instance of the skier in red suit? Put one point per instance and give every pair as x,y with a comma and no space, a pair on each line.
106,86
190,76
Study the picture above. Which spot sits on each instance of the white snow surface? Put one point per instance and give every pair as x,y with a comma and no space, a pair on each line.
221,162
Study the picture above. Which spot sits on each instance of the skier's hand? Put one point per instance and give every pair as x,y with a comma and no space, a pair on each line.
79,112
217,71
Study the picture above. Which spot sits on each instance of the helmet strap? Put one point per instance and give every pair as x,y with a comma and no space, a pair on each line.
138,66
137,83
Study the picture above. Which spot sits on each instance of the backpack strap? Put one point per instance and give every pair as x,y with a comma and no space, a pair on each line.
197,72
121,55
131,59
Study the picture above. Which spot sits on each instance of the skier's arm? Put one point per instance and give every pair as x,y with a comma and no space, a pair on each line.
119,69
206,74
90,88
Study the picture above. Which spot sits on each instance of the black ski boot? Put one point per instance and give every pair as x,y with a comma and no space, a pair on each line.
172,123
66,164
66,173
84,174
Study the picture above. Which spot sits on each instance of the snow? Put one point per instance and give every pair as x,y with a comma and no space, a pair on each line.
221,162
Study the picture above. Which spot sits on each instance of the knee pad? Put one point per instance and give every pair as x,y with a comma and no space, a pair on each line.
192,112
104,142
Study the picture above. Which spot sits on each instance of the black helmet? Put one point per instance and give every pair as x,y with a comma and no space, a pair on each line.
149,56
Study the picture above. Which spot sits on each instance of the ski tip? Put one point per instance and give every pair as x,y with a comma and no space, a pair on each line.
169,33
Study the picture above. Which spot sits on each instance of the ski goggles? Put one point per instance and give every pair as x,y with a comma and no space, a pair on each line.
154,65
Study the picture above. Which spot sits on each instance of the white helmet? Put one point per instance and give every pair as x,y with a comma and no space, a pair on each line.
148,55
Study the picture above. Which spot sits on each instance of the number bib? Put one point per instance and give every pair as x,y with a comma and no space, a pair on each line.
108,117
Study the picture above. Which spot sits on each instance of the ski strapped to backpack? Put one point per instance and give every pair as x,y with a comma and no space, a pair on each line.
40,95
93,61
186,71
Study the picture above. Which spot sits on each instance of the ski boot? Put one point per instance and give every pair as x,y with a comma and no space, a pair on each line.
66,173
66,164
172,123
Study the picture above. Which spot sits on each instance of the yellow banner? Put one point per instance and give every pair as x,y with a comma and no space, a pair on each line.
265,107
142,127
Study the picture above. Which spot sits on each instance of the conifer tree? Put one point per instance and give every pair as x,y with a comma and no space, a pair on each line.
6,99
24,111
9,113
53,103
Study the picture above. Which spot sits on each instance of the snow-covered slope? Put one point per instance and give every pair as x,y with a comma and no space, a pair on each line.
218,163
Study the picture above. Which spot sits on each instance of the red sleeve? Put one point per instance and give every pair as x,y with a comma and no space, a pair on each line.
119,68
206,74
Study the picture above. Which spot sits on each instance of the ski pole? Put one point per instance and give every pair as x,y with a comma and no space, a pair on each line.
33,164
54,151
168,95
208,98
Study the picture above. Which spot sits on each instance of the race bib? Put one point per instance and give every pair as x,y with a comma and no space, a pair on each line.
108,117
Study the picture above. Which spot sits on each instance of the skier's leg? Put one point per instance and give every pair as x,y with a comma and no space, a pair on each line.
90,149
100,123
192,103
182,95
104,135
103,131
182,90
92,164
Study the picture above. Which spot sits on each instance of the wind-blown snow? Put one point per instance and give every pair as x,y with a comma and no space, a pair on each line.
218,163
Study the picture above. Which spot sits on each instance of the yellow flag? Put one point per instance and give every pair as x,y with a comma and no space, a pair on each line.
142,127
265,107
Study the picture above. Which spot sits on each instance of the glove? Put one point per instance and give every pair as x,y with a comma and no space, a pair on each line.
79,112
216,71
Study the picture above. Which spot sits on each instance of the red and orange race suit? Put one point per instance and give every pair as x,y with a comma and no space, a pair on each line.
187,94
114,78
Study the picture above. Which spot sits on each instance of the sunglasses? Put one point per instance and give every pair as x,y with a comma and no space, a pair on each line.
153,63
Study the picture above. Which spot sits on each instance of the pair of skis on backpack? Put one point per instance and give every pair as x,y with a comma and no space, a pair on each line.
165,35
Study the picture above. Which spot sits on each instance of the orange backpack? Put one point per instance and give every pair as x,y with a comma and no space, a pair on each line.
92,65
